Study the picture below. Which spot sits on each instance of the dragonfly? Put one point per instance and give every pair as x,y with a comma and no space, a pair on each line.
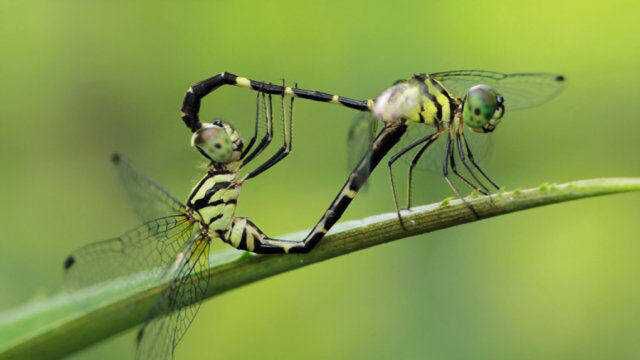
173,242
445,102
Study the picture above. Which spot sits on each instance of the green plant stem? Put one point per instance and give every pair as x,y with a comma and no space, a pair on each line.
67,322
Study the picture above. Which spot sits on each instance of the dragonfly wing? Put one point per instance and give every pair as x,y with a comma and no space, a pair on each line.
148,199
150,246
179,303
520,90
362,132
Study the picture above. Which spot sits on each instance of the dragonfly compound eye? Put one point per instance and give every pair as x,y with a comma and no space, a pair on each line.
218,142
483,108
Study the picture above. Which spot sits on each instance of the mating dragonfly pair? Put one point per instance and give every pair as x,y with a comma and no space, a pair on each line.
175,238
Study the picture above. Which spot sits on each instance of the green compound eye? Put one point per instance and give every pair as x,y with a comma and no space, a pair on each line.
214,142
483,108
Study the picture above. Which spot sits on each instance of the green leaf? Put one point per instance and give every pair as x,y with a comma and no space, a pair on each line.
57,326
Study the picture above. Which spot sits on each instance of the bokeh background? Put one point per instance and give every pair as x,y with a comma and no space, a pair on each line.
81,79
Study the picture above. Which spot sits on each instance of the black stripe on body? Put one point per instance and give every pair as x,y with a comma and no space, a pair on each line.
243,239
444,92
220,202
217,217
452,108
196,188
422,119
432,98
204,201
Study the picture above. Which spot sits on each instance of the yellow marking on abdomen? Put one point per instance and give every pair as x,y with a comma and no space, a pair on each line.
335,99
349,193
243,82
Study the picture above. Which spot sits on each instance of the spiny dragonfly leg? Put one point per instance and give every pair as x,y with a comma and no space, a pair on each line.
285,149
414,162
268,136
428,140
470,155
485,190
252,141
454,168
445,173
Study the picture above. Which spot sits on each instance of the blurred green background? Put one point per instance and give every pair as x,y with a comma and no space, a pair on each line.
81,79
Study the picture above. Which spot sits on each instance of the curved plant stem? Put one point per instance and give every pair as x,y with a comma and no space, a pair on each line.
67,322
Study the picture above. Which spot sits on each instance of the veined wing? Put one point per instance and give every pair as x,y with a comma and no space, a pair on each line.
362,132
179,303
151,246
364,128
520,90
148,199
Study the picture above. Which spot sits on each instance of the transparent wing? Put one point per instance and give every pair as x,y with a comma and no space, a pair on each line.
364,128
179,302
151,246
520,90
362,132
148,199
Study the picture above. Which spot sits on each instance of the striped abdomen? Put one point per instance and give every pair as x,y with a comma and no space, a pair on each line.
192,100
214,198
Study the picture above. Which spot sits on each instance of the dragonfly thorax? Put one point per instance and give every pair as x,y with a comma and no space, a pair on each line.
401,101
213,199
420,99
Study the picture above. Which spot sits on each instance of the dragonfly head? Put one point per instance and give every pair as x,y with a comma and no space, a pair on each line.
218,142
483,107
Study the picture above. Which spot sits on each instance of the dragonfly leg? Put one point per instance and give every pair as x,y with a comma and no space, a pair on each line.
463,159
285,149
454,168
268,136
252,141
427,139
414,162
470,155
445,174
